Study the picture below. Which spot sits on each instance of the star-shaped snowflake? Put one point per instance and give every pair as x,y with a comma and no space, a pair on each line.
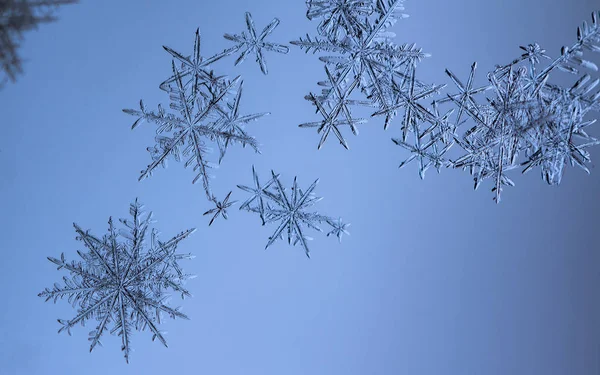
464,100
418,151
274,204
121,281
259,193
202,117
252,42
220,209
337,104
339,228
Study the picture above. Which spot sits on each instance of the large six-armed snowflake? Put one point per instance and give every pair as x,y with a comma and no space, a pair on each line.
122,281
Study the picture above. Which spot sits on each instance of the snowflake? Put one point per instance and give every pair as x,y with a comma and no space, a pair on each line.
255,43
220,209
206,111
122,281
273,204
339,228
259,194
330,122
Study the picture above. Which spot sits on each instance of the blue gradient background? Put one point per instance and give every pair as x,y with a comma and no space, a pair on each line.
434,279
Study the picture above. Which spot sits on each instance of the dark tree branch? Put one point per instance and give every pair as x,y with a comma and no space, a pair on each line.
17,17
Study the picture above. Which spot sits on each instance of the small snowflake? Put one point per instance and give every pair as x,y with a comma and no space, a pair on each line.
273,204
259,193
255,43
220,209
339,228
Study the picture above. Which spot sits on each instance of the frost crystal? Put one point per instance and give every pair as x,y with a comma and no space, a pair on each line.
273,204
206,110
255,43
220,209
519,119
365,58
122,281
205,107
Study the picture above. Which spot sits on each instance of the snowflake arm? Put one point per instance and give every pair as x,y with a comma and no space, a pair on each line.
195,65
232,123
339,16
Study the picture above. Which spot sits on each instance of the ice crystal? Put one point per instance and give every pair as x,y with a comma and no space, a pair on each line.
122,281
255,43
519,119
365,59
206,110
205,106
220,209
338,228
273,204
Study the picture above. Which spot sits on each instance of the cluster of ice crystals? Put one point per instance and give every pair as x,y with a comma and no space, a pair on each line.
362,58
204,107
520,119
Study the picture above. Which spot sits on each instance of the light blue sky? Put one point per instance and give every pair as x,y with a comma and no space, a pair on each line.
435,279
